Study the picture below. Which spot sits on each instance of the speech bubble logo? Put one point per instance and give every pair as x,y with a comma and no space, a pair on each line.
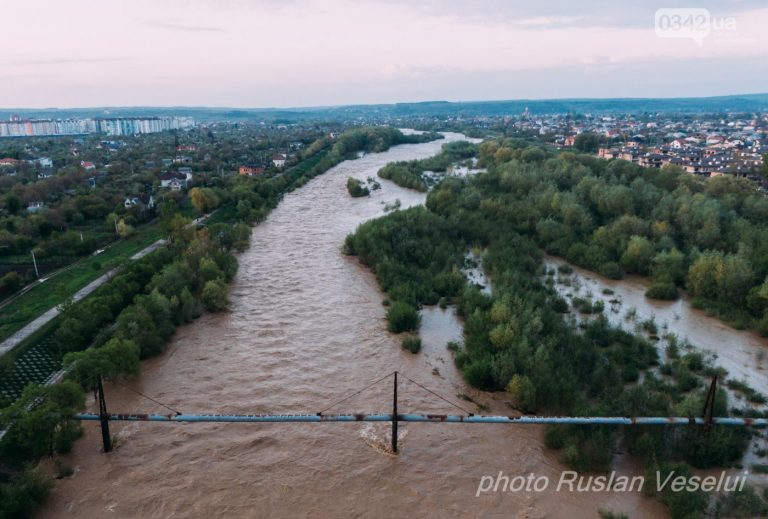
678,22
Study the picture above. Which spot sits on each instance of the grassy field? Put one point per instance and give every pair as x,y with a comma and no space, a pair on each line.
63,285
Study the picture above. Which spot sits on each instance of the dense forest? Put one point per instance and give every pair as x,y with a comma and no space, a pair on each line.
610,216
709,236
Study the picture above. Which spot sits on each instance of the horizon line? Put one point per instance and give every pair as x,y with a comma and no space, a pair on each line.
394,103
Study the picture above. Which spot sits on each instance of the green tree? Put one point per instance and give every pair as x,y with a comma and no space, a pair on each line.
10,283
116,357
356,188
204,199
123,229
706,274
586,142
638,255
12,203
214,296
402,317
522,391
669,266
39,422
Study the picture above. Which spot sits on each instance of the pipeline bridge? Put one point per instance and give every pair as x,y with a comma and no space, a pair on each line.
705,422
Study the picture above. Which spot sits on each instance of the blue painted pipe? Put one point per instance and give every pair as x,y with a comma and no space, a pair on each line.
430,418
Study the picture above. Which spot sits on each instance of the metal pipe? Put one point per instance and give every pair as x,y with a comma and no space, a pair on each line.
431,418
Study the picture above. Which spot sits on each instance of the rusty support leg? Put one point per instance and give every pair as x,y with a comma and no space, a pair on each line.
394,417
709,404
103,417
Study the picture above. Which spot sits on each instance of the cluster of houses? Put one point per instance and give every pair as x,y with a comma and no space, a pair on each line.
254,170
703,144
43,165
710,160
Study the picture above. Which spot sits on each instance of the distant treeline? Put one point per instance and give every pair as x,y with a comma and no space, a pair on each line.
718,104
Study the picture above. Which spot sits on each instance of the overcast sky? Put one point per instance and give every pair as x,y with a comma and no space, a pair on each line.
262,53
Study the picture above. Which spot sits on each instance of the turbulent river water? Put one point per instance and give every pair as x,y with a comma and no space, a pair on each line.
306,328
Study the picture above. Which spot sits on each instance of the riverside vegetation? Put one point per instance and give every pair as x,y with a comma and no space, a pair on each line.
613,217
134,315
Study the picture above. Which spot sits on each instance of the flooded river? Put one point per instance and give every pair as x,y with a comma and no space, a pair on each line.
743,354
307,328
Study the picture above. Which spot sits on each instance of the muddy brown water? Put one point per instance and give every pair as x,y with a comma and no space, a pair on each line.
306,328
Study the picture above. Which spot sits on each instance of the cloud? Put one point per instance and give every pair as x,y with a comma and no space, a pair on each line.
61,61
175,26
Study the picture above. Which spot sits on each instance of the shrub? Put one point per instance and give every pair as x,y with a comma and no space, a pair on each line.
611,270
741,504
412,343
23,494
11,282
662,290
356,188
478,373
682,505
402,317
214,296
559,305
523,393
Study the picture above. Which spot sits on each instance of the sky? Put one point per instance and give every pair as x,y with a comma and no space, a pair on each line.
289,53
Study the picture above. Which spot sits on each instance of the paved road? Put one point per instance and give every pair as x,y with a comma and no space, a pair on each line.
15,339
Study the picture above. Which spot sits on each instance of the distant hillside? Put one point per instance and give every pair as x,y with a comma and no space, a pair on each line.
720,104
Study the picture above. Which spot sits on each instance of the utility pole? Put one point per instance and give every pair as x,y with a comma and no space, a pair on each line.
34,262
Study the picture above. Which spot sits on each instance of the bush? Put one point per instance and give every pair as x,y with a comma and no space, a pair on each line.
478,373
523,393
588,448
23,494
402,317
611,270
682,505
662,290
41,423
741,504
559,305
11,282
356,188
215,296
412,343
